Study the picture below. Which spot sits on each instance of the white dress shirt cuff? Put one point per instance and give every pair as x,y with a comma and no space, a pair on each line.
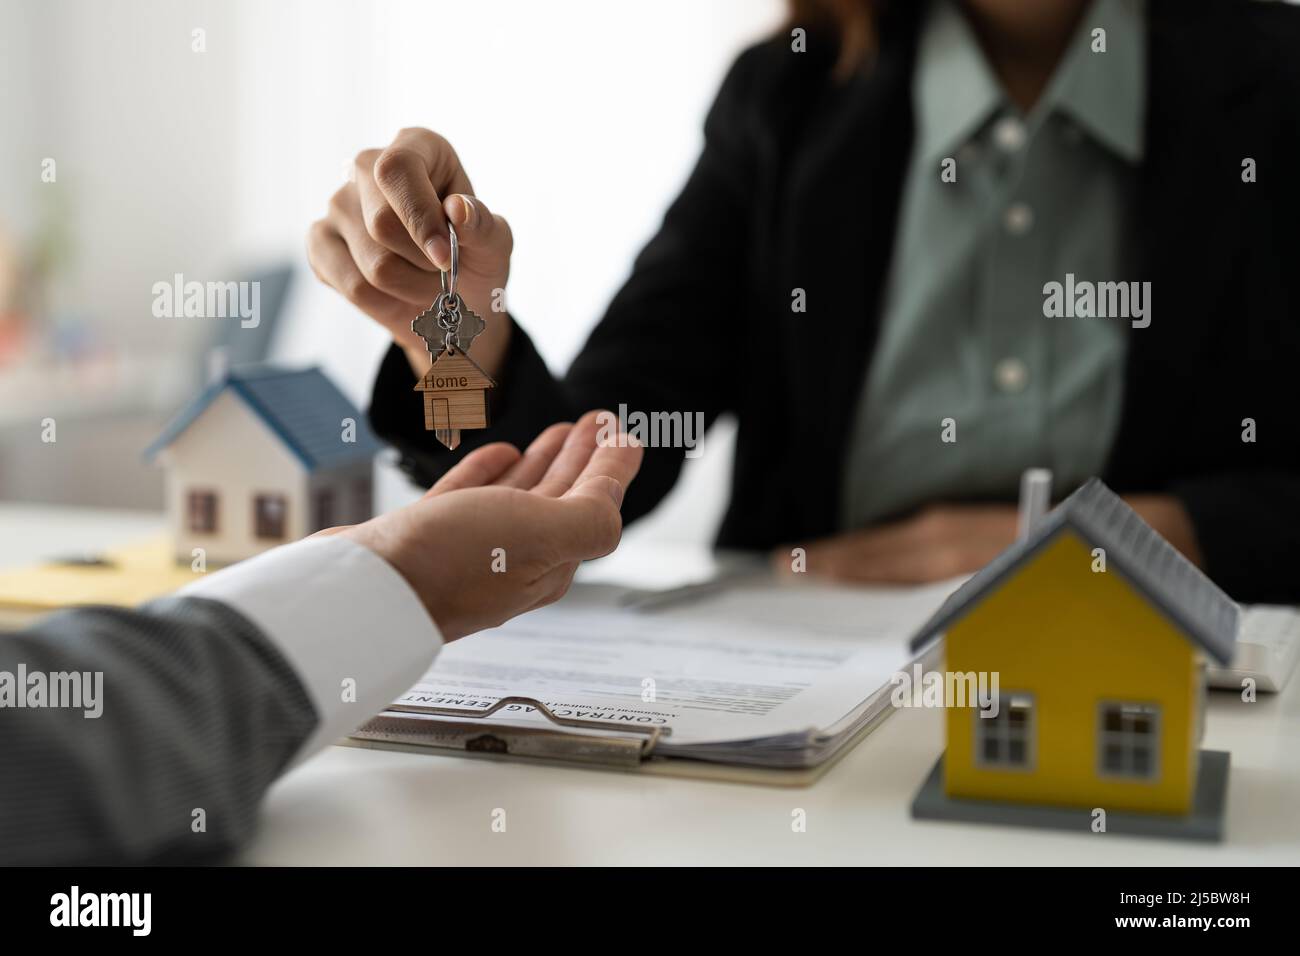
346,620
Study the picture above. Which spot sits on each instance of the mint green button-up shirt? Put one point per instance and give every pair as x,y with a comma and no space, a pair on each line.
965,352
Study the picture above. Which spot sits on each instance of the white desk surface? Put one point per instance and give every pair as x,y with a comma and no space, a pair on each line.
369,807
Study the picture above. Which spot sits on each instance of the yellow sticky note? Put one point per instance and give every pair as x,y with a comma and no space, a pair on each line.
132,575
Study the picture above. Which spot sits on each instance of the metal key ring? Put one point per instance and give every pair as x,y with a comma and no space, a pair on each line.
446,305
449,285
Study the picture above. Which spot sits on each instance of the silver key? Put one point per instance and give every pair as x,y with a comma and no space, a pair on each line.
471,324
449,322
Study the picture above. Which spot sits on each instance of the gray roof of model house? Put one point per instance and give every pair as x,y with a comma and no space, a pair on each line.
1175,586
302,407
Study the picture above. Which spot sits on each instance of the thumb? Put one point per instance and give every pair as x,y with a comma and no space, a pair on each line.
589,523
477,229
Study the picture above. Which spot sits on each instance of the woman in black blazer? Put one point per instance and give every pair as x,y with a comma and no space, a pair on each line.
800,186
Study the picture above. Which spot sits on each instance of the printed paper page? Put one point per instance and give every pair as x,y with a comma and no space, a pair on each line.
754,662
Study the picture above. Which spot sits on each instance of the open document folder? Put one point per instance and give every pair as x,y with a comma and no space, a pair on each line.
757,674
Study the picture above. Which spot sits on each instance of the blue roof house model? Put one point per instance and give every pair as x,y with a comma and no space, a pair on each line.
261,457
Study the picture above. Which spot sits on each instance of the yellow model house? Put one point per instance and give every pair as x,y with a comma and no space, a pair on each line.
1093,629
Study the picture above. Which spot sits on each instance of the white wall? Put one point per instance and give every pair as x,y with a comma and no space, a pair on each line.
143,132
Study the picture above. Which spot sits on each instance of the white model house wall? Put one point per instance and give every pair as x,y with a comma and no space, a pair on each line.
229,451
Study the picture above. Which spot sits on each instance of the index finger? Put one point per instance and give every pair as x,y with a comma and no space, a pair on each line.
576,454
617,458
414,172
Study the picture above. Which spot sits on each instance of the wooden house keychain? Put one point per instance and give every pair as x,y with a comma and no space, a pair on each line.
455,388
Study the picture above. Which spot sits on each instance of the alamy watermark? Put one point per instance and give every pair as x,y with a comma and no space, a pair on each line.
1101,300
208,300
653,430
78,690
133,911
921,688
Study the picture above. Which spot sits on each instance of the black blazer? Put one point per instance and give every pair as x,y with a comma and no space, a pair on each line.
798,186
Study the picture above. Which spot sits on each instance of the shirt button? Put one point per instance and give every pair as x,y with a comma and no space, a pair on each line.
1018,218
1011,375
1009,134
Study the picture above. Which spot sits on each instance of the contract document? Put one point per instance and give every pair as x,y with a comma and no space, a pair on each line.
759,673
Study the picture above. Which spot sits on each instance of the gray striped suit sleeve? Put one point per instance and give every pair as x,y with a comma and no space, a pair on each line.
200,714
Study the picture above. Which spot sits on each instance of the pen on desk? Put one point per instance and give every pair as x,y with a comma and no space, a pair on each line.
84,561
654,600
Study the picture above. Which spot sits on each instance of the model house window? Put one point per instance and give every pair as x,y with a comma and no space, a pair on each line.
361,499
324,508
1007,739
268,516
1129,740
202,511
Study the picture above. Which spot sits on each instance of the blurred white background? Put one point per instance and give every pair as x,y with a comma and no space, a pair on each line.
576,119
